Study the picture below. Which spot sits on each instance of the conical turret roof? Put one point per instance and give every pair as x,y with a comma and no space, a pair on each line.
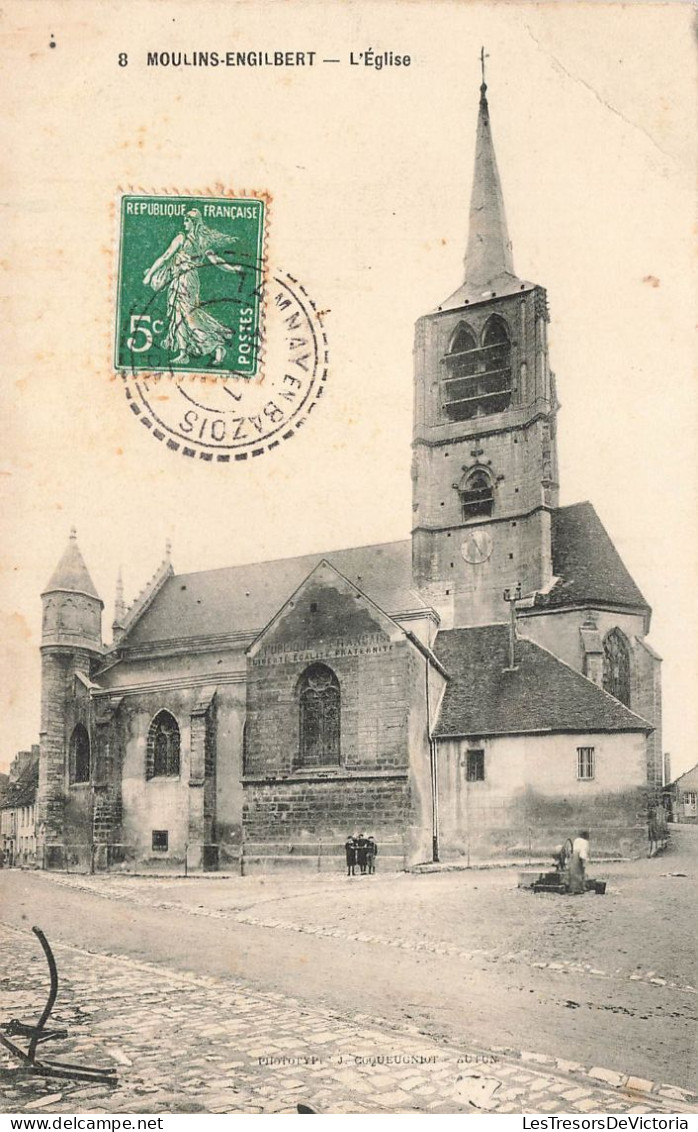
71,574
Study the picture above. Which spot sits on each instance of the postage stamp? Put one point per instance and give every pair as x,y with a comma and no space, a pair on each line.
191,270
235,419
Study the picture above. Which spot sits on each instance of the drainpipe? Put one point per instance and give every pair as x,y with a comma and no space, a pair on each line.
433,767
93,848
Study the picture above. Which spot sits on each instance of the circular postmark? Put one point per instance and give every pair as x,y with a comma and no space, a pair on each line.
232,417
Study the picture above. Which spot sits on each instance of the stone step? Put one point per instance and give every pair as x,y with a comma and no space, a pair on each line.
312,849
319,864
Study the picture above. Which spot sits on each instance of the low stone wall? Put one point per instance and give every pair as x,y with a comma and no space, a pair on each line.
298,810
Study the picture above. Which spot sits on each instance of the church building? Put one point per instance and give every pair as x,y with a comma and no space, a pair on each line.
480,690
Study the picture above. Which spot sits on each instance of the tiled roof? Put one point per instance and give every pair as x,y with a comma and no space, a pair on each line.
691,775
23,791
485,697
71,573
245,598
587,563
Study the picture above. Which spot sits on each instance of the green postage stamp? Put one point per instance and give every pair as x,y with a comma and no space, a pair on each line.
190,284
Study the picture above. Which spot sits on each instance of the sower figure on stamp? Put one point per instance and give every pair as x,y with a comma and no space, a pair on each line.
362,853
371,851
350,850
191,330
578,861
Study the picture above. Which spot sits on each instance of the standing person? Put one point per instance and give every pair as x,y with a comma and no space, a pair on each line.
371,853
580,856
350,850
362,852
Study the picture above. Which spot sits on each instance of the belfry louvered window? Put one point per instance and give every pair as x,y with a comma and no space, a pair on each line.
478,378
319,709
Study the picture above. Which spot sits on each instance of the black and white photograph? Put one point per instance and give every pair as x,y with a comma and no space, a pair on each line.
348,756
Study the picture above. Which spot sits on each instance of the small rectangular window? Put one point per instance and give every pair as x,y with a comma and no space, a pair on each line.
475,766
585,762
160,840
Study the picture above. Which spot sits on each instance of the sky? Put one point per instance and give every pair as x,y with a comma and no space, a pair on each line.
369,173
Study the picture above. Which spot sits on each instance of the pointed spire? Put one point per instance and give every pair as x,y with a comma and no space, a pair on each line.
489,267
71,574
119,604
488,257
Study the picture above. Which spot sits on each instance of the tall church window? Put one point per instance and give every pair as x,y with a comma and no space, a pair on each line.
319,707
80,755
477,495
163,747
477,379
616,665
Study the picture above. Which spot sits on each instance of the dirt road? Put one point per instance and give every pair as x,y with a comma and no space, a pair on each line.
463,956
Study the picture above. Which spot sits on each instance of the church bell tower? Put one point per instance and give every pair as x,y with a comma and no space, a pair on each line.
485,473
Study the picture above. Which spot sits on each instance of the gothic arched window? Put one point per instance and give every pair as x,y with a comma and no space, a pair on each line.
477,381
616,665
319,710
495,339
477,494
462,353
163,747
80,755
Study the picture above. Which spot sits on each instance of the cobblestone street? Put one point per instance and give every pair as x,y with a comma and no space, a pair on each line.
454,992
192,1044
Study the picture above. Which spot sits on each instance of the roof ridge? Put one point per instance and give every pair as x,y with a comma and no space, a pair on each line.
579,503
320,554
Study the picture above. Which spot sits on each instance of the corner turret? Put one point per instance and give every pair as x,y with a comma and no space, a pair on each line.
72,608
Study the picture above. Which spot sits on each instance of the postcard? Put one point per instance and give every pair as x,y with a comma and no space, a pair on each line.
349,556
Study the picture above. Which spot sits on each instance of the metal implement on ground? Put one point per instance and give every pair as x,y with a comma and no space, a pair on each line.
38,1034
558,879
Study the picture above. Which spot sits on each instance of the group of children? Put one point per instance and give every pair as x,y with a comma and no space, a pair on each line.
361,851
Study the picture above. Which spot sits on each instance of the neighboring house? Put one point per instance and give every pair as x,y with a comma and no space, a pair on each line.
684,796
18,810
254,716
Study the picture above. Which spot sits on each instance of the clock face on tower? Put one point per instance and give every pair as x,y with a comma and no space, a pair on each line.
476,546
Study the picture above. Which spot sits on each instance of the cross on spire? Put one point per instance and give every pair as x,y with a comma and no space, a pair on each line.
488,260
483,55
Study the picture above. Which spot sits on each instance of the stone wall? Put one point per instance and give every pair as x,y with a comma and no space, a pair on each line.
517,449
379,672
559,632
531,799
310,809
369,657
64,810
